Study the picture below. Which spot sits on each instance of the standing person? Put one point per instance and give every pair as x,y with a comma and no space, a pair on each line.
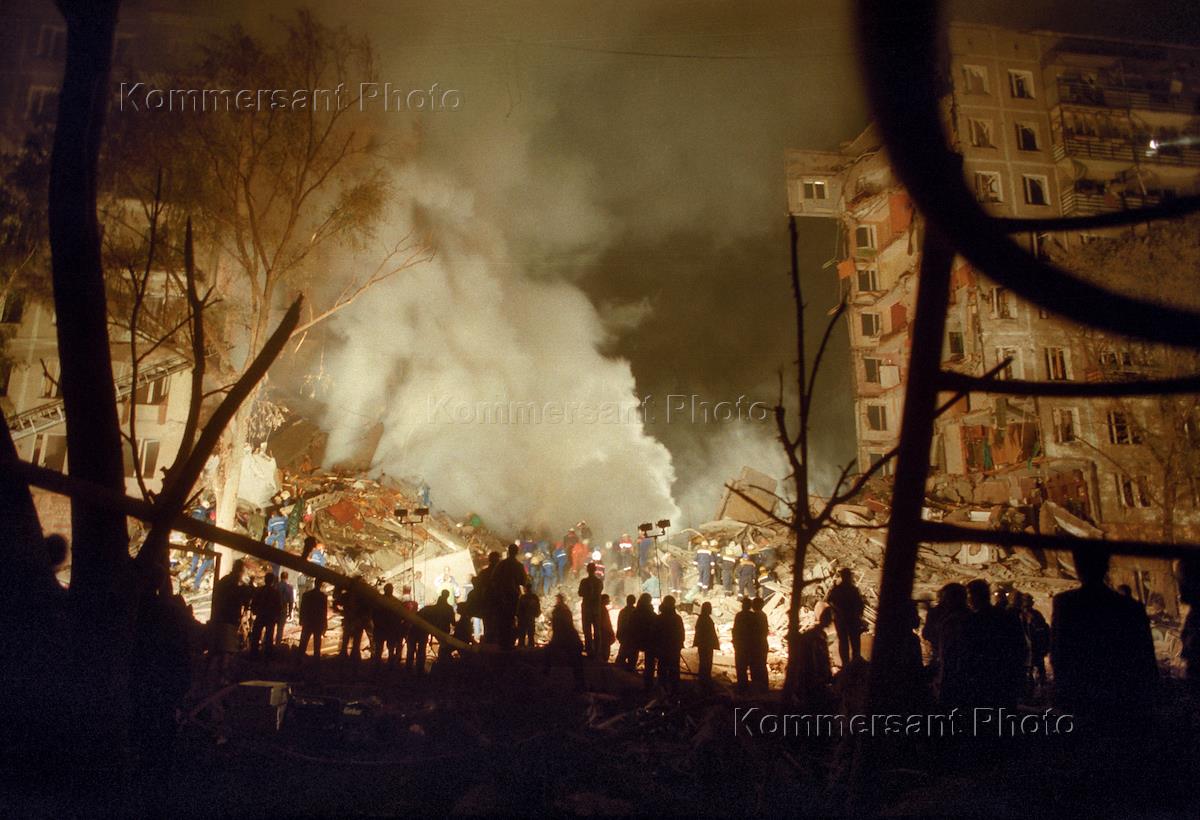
266,606
564,647
585,532
409,630
743,644
276,536
704,565
627,651
483,583
645,546
590,590
446,581
848,606
643,636
528,610
809,671
995,650
356,619
506,584
706,642
1037,635
288,593
729,559
607,638
758,666
387,631
579,555
314,618
440,615
625,551
669,643
674,573
746,573
1101,649
561,557
548,574
230,597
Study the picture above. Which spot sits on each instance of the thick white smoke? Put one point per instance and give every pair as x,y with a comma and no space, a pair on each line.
489,382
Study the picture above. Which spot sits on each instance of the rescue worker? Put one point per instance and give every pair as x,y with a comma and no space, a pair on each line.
625,550
746,573
669,638
561,557
645,546
276,536
729,559
547,575
314,618
704,564
528,610
627,651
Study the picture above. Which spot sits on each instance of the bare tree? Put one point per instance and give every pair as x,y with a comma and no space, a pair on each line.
284,195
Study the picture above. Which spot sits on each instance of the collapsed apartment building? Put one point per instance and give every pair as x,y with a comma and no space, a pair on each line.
1047,125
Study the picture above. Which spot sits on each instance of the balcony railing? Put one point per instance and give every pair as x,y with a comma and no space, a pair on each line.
1080,203
1113,96
1119,150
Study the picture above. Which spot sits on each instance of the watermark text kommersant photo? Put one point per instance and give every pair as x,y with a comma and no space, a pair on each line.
978,722
373,96
675,408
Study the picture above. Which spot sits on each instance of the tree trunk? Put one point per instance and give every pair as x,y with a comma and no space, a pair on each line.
101,596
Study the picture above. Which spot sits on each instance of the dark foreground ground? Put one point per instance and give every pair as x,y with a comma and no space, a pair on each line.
500,734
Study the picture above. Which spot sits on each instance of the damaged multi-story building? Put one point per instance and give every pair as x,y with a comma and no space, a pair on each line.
1047,125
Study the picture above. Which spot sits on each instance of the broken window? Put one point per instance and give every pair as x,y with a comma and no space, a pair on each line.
1027,138
864,237
153,392
1131,492
1003,304
814,190
975,79
981,133
987,186
870,324
147,455
1066,422
871,370
51,387
50,451
1035,189
42,103
1012,369
1121,429
954,340
52,43
877,417
1020,83
868,278
1056,364
875,458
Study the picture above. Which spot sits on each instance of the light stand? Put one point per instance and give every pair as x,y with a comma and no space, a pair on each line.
410,518
645,531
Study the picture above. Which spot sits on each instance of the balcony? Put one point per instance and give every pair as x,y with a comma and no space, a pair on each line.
1124,151
1077,92
1086,203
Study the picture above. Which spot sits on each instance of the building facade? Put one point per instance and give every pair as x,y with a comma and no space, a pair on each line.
1047,125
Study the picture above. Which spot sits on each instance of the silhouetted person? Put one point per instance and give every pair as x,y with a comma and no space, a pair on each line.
230,596
995,651
314,618
528,610
643,623
565,647
758,664
1101,648
951,597
668,640
627,646
506,583
590,590
744,643
355,621
1037,638
160,676
288,593
706,642
387,631
811,674
847,603
946,631
266,606
441,615
483,583
607,637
